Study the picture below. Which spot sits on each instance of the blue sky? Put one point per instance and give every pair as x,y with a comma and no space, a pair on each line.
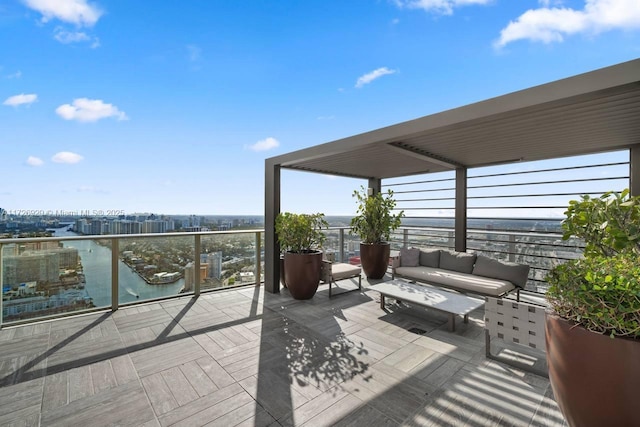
172,107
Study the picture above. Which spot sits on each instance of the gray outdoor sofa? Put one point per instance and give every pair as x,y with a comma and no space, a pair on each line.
461,271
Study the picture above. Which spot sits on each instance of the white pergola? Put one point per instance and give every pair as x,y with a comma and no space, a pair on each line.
588,113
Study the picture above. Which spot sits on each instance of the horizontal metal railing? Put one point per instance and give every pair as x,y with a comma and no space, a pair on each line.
540,250
536,190
114,243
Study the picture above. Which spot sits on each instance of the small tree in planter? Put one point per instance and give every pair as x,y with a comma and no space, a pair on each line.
300,237
593,331
374,223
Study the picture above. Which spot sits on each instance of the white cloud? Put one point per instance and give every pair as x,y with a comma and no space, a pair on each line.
14,101
77,12
34,161
66,37
66,157
549,25
373,75
89,110
265,144
15,75
443,7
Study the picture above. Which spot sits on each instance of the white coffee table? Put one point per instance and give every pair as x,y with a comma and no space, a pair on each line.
454,304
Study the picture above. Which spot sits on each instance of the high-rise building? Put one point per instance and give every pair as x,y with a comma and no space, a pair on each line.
82,226
154,226
31,267
95,226
126,226
190,275
213,261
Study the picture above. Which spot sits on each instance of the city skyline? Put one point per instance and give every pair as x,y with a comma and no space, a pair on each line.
175,113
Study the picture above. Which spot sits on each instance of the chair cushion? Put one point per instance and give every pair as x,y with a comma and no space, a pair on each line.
343,271
409,257
457,261
489,267
430,257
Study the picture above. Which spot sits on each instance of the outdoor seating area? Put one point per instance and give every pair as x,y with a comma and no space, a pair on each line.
461,271
250,357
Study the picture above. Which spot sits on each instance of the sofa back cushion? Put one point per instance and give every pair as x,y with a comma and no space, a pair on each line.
409,257
461,262
504,270
430,258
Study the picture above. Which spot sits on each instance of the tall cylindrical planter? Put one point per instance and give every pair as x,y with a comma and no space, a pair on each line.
302,272
595,378
374,259
283,279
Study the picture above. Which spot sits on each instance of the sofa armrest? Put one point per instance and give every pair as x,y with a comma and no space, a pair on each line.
395,261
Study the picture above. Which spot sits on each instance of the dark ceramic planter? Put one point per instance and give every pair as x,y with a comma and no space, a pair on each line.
283,279
374,259
595,378
302,272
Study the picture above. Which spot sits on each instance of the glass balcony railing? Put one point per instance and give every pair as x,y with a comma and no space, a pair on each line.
54,276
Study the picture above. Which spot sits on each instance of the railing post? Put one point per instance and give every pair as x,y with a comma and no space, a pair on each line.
258,260
405,238
197,248
115,251
341,244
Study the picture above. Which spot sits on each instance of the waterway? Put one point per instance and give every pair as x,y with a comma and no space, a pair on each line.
96,261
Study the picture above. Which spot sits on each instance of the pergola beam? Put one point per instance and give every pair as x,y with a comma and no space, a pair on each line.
422,155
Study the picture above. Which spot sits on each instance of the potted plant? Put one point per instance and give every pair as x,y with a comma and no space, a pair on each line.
300,236
593,326
374,223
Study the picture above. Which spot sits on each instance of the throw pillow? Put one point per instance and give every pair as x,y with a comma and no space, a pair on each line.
503,270
461,262
430,257
409,257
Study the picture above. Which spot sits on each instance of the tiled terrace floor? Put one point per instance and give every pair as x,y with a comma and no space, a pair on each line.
245,358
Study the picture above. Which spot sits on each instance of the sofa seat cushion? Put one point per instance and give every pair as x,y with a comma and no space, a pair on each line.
463,281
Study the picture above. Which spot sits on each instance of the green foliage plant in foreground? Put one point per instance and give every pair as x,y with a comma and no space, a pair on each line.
602,290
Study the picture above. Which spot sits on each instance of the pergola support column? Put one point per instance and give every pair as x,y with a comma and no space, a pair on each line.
271,211
375,185
461,210
634,170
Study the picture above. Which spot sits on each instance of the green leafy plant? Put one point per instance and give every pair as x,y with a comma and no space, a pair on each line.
609,224
602,290
374,221
300,233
